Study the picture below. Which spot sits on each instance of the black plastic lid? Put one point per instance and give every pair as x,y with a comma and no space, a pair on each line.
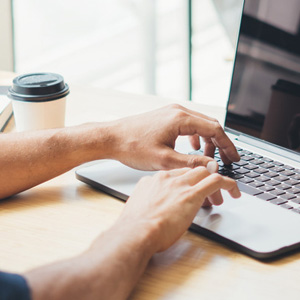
38,87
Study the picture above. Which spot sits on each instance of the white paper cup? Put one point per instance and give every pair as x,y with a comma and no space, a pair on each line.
39,101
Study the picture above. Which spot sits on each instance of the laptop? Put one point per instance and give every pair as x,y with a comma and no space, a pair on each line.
263,121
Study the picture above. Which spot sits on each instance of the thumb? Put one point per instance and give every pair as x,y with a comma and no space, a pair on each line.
178,160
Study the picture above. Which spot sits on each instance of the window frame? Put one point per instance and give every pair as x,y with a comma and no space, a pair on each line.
6,36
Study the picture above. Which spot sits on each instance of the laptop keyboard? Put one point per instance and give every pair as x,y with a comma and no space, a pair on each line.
264,178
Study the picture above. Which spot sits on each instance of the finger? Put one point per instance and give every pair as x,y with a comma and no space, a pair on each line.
177,172
206,203
209,148
212,167
213,183
195,175
224,158
210,129
196,113
216,198
175,160
195,141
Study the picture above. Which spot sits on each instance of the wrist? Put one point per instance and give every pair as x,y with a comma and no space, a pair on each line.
143,233
132,237
96,141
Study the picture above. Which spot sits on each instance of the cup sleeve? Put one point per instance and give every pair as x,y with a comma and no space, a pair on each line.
13,287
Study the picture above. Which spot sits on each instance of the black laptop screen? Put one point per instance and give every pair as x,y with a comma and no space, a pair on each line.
264,100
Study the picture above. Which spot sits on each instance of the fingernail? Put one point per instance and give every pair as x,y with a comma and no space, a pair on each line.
212,166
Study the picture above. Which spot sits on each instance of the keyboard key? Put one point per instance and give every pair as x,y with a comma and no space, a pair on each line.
277,163
278,201
236,176
241,163
263,178
267,165
257,184
277,169
245,152
294,191
266,196
248,189
246,180
273,182
287,173
283,186
257,156
282,178
271,174
296,200
225,172
291,182
296,177
252,175
267,188
261,171
232,167
251,167
285,205
288,167
248,158
287,196
257,162
242,171
267,159
277,192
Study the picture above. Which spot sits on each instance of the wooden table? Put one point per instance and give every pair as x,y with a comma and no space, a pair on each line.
60,218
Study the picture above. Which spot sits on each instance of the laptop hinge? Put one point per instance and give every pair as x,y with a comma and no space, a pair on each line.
269,147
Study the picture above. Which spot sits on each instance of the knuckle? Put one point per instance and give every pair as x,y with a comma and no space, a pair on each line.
145,179
217,127
179,115
176,110
203,169
193,162
175,106
216,178
162,175
165,160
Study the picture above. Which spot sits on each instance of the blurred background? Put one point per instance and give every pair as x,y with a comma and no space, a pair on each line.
137,46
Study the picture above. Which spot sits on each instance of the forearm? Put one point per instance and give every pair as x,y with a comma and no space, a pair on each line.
27,159
108,270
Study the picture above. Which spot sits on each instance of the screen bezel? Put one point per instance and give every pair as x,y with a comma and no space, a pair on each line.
234,131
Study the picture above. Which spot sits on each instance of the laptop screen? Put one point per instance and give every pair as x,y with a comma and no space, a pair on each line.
264,100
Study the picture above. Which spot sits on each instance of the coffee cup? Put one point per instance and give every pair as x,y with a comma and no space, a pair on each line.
39,101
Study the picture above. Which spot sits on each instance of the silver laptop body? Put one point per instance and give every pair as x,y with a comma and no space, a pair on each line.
263,119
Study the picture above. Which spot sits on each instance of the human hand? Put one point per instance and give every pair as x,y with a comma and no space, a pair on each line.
165,205
147,141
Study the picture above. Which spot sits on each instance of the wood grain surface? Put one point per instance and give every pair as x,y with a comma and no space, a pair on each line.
60,218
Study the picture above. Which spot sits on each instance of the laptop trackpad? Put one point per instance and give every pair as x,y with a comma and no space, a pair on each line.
252,225
255,224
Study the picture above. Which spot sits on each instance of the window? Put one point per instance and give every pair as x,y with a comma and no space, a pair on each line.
6,36
138,46
132,45
215,31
